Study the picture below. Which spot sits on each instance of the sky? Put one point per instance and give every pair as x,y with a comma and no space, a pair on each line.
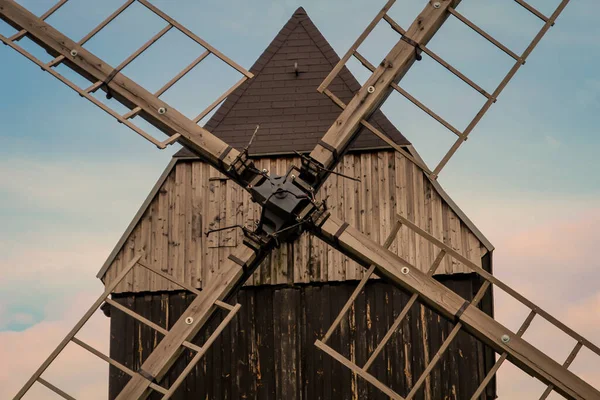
71,177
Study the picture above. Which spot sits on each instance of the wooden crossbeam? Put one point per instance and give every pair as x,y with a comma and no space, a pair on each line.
411,98
381,135
498,283
338,67
439,59
107,291
56,390
189,324
154,110
566,364
485,35
388,242
521,59
501,360
377,88
434,266
358,246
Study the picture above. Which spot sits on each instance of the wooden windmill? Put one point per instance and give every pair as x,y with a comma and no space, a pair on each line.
291,209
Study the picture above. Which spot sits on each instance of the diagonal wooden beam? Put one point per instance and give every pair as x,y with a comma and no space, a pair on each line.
230,277
404,275
171,122
378,87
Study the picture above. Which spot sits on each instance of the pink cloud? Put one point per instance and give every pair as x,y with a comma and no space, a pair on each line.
553,262
75,371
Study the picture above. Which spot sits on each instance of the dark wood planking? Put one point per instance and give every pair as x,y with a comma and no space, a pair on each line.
266,348
528,358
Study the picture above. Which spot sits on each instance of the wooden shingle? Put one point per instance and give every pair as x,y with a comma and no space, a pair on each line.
291,113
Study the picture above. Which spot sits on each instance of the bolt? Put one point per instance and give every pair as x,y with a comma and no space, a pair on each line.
371,89
265,171
505,338
162,110
74,53
249,186
437,4
405,270
293,177
189,320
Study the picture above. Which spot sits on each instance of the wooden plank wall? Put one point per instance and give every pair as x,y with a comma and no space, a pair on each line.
268,351
195,198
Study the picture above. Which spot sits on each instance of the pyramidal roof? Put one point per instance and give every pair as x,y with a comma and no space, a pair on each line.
292,115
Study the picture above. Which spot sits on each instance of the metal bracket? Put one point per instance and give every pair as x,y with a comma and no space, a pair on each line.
415,45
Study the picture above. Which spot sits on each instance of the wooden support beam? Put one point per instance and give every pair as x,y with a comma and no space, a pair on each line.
403,313
390,266
361,285
501,360
189,324
491,278
378,87
107,291
171,122
357,370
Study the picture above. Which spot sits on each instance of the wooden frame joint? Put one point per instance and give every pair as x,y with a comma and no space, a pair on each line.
238,261
146,375
461,310
329,147
414,44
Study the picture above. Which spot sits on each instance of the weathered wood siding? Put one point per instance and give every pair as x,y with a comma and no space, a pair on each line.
268,352
195,198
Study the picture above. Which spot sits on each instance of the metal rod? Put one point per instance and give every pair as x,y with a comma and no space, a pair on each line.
484,34
107,291
195,38
338,67
219,100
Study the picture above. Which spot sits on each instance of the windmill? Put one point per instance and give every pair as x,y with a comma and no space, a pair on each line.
290,206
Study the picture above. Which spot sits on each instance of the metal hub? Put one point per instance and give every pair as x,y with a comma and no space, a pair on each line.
282,201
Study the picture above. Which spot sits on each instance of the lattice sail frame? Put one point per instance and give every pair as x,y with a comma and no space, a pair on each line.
167,393
337,233
422,48
104,84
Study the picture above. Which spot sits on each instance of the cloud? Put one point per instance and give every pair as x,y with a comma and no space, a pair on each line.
552,142
551,261
75,371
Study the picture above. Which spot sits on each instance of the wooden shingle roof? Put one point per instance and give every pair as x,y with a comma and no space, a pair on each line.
291,113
